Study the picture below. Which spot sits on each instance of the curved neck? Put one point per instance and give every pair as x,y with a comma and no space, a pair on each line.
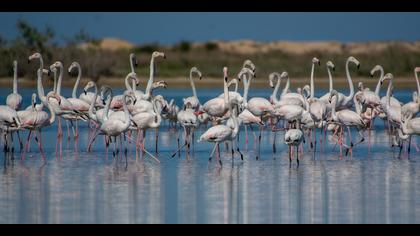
193,86
60,79
330,79
107,106
378,86
134,85
76,85
333,105
158,120
15,78
126,113
247,83
52,114
276,90
225,92
127,83
92,105
286,88
312,81
388,94
41,63
418,85
41,93
234,116
357,105
351,86
152,74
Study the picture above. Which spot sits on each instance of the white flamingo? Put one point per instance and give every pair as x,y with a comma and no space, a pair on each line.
414,106
14,100
64,109
193,100
114,127
293,138
286,97
36,120
217,107
345,102
222,133
330,66
346,118
409,126
147,120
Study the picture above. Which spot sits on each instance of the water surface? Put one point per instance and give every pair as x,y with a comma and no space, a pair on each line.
82,187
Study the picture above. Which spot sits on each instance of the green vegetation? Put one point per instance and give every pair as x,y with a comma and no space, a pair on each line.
208,57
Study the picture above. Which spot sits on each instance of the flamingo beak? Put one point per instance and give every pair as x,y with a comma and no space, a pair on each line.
333,68
84,91
358,66
103,102
200,78
29,61
319,63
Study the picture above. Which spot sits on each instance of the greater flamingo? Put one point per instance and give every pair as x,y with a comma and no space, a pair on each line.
14,100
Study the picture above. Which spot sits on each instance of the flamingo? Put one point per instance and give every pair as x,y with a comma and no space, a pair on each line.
14,100
86,96
345,102
114,127
414,106
222,133
286,98
346,118
65,108
79,105
147,120
330,66
9,122
189,122
36,120
217,107
293,137
409,126
317,108
193,101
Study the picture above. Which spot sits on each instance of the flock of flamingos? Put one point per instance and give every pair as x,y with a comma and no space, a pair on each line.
299,114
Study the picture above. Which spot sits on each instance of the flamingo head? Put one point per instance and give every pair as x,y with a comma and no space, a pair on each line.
331,65
133,59
316,61
195,70
355,61
225,73
158,54
34,56
332,94
55,96
89,85
374,69
72,66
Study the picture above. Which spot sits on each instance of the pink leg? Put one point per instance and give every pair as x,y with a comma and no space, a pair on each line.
38,139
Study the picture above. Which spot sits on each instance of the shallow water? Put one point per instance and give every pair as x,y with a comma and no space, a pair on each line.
81,187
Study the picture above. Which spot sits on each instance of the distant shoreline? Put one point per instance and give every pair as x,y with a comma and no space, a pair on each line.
177,82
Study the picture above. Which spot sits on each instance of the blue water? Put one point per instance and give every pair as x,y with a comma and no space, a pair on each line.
81,187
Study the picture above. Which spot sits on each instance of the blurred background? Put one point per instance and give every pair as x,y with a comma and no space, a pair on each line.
101,43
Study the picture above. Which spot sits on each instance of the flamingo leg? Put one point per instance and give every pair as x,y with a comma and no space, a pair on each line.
38,139
28,141
297,155
212,152
20,141
290,156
